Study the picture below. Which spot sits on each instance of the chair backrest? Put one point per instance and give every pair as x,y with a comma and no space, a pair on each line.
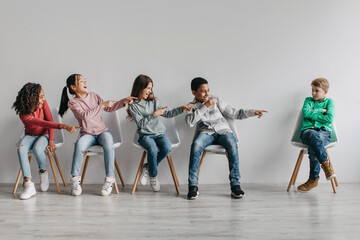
59,138
297,131
232,126
112,121
171,130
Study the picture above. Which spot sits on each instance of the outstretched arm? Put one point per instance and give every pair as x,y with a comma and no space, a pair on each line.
233,113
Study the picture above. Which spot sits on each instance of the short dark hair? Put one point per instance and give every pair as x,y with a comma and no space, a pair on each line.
196,82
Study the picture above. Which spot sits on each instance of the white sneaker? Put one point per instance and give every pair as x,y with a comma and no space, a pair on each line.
108,186
29,190
144,174
75,186
154,183
44,181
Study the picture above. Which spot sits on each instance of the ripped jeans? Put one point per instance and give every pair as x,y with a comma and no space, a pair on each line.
38,146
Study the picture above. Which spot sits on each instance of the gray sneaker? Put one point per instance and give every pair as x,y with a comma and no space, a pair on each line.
144,174
44,181
108,186
29,191
75,186
154,183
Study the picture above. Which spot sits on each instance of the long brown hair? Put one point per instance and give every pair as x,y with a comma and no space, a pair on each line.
71,80
140,83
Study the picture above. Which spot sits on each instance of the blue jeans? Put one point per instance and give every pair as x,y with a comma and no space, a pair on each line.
228,141
157,147
104,139
38,146
316,139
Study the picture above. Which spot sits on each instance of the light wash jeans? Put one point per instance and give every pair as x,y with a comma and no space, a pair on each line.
38,146
228,141
104,139
157,147
316,139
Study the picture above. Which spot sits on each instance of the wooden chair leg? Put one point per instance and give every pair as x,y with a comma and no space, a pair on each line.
119,173
84,171
116,186
18,178
335,180
82,164
138,172
173,173
333,185
53,170
201,161
59,168
296,169
298,166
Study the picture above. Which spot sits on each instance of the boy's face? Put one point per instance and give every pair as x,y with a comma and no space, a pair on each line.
202,93
318,93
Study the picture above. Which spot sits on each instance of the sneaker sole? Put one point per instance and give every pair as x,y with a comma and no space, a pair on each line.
193,198
235,196
303,191
27,198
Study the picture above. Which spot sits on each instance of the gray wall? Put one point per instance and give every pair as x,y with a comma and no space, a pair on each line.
256,54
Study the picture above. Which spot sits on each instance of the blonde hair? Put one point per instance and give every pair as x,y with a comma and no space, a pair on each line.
321,83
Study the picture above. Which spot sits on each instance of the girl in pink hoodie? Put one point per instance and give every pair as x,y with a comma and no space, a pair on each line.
87,108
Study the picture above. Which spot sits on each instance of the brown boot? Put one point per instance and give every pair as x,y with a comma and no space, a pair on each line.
310,184
328,170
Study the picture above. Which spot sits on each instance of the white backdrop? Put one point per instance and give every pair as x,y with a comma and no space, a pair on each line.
256,54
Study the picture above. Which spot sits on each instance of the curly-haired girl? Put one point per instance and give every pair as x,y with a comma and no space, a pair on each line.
35,114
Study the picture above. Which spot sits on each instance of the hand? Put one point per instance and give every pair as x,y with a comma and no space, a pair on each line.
210,102
51,146
129,100
108,104
325,110
159,112
259,113
187,107
69,128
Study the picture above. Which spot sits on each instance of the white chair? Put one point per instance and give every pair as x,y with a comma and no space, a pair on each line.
112,121
218,149
296,141
58,141
173,136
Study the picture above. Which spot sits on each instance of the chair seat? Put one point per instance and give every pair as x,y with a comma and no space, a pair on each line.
173,145
304,146
215,149
99,148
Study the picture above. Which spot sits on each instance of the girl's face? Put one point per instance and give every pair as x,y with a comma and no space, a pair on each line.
41,99
144,94
80,86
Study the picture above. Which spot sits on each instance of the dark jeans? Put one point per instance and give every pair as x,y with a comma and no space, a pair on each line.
316,139
157,147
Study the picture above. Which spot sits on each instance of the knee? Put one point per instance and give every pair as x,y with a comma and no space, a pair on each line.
196,148
167,148
38,150
22,150
108,146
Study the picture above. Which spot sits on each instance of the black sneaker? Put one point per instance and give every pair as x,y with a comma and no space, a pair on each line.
236,192
193,192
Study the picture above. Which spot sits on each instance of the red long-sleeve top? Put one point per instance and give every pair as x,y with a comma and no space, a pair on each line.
40,122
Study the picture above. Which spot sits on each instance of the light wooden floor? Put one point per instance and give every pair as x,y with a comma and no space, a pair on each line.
266,212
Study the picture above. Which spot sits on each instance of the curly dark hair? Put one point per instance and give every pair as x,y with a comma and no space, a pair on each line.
27,99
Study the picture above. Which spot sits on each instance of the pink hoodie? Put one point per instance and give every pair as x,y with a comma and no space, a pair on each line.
87,111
